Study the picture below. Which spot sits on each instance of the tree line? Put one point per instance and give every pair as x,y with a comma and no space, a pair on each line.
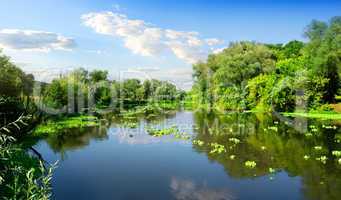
94,89
250,75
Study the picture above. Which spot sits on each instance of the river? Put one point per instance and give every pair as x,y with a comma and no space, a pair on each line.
294,159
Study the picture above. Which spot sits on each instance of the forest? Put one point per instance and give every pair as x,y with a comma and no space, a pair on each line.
295,78
284,78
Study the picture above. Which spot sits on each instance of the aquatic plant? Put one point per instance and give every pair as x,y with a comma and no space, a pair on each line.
329,127
274,128
263,148
323,159
173,130
182,135
250,164
306,157
130,124
308,134
54,126
217,148
336,153
232,157
198,142
318,148
161,132
339,161
314,130
234,140
272,170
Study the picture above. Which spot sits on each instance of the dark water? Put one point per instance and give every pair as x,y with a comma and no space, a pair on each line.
111,162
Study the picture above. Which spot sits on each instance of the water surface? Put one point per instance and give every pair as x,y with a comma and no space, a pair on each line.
113,162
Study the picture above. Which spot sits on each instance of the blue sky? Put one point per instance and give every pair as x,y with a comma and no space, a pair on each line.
162,38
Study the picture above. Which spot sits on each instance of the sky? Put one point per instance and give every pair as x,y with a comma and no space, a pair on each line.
144,38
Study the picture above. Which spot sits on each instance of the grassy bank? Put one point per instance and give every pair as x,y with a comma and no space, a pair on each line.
317,115
56,125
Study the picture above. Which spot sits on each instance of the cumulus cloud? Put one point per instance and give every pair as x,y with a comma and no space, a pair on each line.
181,77
219,50
31,40
147,40
214,41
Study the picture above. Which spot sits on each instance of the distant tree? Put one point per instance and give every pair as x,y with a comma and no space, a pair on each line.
147,89
240,62
11,78
324,51
129,89
166,91
98,75
56,94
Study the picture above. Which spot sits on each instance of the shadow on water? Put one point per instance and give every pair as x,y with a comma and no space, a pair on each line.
274,144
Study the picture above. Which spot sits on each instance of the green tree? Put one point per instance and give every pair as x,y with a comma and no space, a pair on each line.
324,51
98,75
130,88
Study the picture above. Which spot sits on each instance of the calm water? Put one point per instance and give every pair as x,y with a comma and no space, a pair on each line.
112,162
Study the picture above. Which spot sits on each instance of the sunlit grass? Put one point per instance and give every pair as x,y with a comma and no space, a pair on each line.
56,125
326,115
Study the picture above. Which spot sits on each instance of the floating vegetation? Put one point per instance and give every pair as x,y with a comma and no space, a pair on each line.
56,125
339,161
329,127
322,159
234,140
318,148
130,124
274,128
314,130
263,148
173,130
217,148
272,170
198,142
308,134
336,153
182,135
250,164
161,132
306,157
232,157
334,116
312,126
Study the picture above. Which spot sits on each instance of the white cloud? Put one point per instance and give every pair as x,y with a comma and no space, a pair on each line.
147,40
181,77
219,50
31,40
188,189
214,41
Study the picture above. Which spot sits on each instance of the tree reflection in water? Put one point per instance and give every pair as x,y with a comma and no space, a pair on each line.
280,148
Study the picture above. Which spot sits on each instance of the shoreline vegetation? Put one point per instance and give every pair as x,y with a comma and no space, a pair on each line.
244,77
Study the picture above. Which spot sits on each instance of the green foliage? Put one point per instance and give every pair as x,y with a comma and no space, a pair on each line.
248,75
57,125
98,75
173,130
21,175
72,92
13,81
324,51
